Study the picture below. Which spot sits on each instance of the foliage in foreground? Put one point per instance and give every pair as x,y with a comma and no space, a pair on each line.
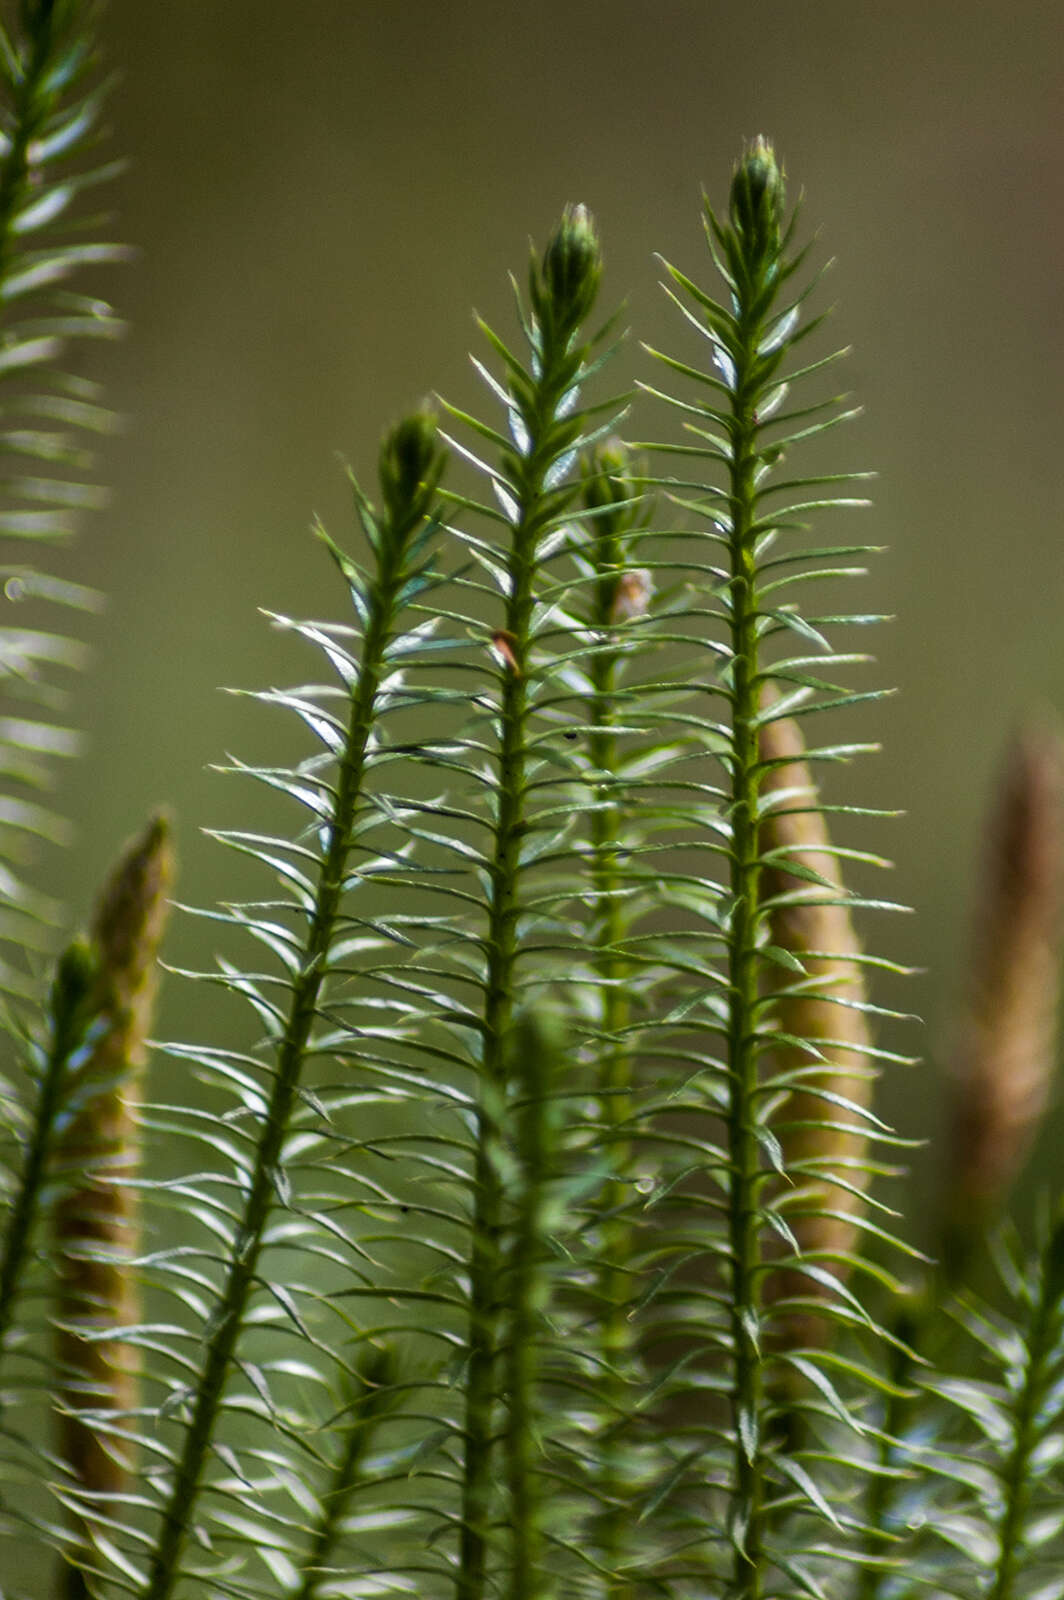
537,1241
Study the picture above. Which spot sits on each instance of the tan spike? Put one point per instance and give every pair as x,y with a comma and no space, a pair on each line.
805,925
96,1217
1003,1060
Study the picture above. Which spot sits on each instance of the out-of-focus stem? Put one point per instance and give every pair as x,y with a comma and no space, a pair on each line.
70,1015
536,1050
410,465
96,1220
375,1377
619,594
1003,1062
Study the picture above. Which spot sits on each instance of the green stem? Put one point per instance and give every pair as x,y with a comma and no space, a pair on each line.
613,1286
527,1291
559,369
923,1338
743,973
750,340
336,1498
890,1445
1017,1476
377,1377
228,1320
484,1264
70,1020
75,1584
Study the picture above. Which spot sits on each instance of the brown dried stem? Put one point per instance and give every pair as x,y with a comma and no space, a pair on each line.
96,1217
824,1144
1003,1062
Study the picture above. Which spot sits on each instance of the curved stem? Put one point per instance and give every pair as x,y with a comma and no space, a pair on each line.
227,1323
70,1021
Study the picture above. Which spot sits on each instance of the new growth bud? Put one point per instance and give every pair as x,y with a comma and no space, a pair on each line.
614,494
74,987
756,204
605,474
564,289
377,1373
131,915
411,462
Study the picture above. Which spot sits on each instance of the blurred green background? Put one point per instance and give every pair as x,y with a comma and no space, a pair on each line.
319,192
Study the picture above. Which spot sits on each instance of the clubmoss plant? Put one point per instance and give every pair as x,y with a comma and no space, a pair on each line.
536,1240
533,489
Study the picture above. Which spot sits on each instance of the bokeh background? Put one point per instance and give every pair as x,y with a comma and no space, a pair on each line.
319,191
